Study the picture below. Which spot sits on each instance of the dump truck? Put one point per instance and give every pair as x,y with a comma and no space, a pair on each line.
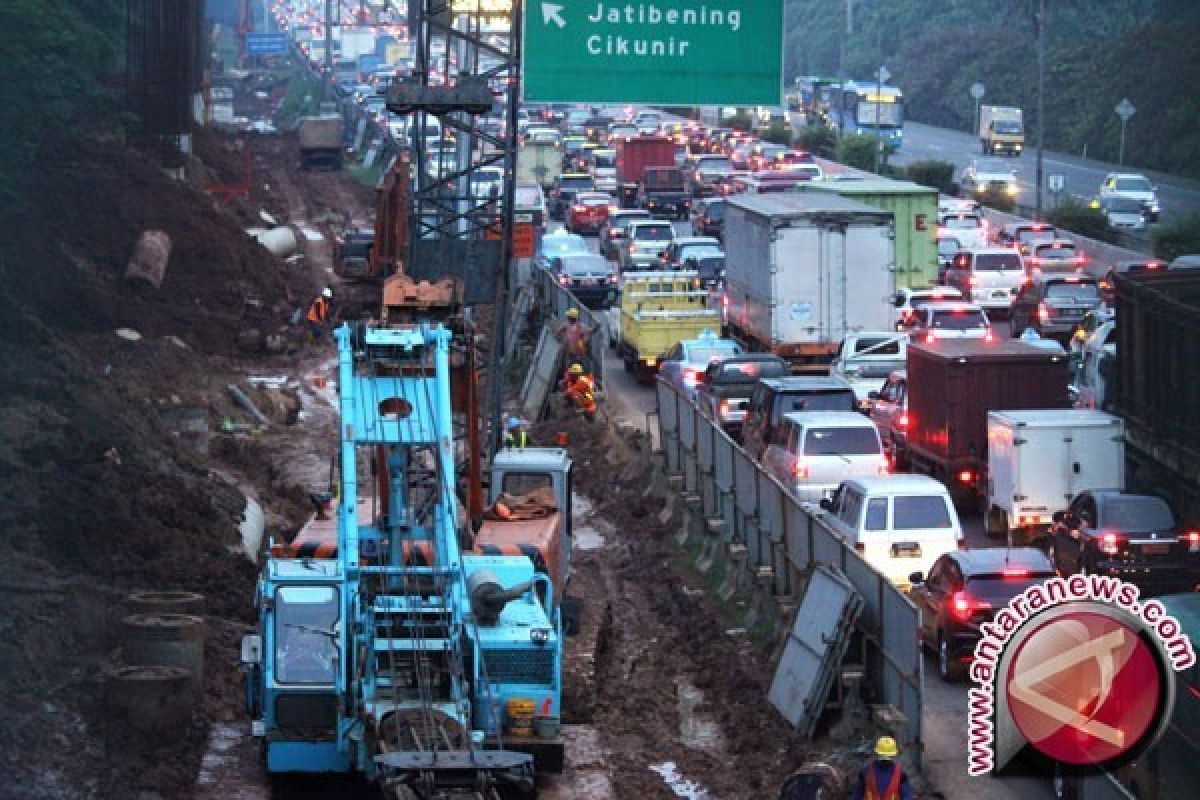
320,140
1155,388
803,271
1001,130
952,385
659,309
634,156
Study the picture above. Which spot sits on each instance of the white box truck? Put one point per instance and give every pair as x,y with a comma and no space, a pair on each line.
804,270
1001,130
1039,460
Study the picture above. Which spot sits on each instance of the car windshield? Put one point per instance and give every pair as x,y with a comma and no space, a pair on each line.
593,199
1134,185
964,222
1007,127
657,178
1122,205
920,511
948,247
700,251
582,182
998,588
605,159
1029,235
750,371
841,441
1064,252
877,346
586,263
1077,291
1137,513
564,245
697,354
573,144
714,165
835,400
997,261
653,233
959,320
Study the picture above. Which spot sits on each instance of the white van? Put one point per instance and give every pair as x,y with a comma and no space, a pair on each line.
822,449
899,523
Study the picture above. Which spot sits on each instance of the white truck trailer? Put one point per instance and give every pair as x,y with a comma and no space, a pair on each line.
1001,130
1039,460
805,270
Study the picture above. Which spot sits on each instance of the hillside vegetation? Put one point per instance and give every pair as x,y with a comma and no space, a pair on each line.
1096,53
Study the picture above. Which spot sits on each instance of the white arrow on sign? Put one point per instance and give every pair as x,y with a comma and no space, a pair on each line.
552,12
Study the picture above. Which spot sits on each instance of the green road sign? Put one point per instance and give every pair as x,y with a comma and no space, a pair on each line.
665,52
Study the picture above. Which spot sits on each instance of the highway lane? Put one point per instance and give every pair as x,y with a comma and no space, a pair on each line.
1082,176
945,706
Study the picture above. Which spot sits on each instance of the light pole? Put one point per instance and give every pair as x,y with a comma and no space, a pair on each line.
1041,103
1124,110
881,76
977,90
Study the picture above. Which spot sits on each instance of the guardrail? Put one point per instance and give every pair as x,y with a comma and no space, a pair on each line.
554,299
783,542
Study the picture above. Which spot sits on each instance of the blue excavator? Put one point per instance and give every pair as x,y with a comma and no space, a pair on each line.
400,639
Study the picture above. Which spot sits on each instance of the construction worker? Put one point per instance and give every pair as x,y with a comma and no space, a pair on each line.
516,433
882,778
581,391
574,336
318,314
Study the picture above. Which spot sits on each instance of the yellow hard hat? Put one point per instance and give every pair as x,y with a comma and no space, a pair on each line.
886,747
572,313
576,369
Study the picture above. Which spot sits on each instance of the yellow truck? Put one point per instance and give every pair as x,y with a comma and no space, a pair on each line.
659,309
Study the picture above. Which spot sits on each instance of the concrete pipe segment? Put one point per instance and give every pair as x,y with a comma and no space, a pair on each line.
154,601
151,699
166,639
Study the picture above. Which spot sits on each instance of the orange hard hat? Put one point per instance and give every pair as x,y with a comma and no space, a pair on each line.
502,511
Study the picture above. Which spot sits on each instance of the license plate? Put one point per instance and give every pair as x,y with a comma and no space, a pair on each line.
906,550
999,295
588,282
1158,549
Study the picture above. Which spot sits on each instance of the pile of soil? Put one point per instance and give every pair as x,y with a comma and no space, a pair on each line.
100,496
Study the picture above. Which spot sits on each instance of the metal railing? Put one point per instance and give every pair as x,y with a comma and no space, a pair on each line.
784,541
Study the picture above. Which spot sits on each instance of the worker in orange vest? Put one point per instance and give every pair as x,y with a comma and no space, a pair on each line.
580,389
882,778
318,314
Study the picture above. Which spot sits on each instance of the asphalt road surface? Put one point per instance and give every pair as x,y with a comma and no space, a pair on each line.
1082,176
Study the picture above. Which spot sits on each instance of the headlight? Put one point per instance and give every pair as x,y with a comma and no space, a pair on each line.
1012,188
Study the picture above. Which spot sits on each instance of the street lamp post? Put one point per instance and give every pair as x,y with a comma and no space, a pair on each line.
977,90
1041,103
881,76
1124,110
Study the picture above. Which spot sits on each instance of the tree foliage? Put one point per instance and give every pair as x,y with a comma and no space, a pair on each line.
778,133
818,140
936,174
1096,53
59,59
1178,238
857,151
1082,219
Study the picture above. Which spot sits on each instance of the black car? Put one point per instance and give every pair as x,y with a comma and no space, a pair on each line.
1054,305
711,219
724,391
1108,284
964,589
590,277
1131,536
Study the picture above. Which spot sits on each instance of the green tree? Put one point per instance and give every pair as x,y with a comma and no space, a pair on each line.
818,140
778,133
1082,219
858,151
1178,238
936,174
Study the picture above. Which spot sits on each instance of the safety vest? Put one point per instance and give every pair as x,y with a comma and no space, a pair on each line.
583,392
518,439
319,310
890,792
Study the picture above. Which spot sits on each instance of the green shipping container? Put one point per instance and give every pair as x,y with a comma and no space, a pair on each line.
914,211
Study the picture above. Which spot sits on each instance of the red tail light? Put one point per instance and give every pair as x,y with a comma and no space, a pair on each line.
1110,543
966,476
962,606
902,421
989,336
973,280
800,469
1016,573
884,467
1043,312
1193,541
578,209
930,338
564,279
723,409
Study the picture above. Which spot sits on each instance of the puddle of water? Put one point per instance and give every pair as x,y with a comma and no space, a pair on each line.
587,538
697,728
679,785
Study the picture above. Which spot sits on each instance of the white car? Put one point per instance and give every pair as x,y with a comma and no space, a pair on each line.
947,319
1135,187
604,170
984,175
908,300
1125,213
900,524
865,360
968,227
820,449
989,276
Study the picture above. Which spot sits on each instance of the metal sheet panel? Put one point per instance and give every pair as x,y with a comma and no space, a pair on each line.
668,425
687,424
723,450
827,546
814,649
543,373
869,583
745,482
799,539
771,500
706,435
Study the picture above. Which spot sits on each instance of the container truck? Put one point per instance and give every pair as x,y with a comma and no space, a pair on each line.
914,209
803,271
320,140
953,384
1039,460
1001,130
1156,388
634,155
